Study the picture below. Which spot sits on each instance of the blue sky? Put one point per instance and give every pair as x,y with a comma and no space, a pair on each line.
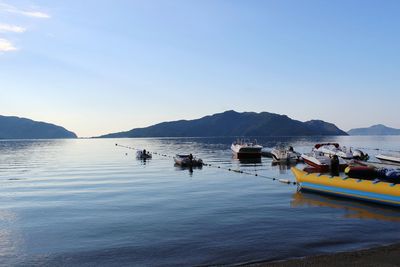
103,66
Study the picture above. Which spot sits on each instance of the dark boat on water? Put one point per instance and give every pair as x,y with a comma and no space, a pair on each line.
143,154
188,160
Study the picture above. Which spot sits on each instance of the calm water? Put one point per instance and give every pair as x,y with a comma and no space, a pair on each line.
87,202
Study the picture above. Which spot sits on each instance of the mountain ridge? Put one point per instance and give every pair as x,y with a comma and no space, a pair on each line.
232,123
377,129
12,127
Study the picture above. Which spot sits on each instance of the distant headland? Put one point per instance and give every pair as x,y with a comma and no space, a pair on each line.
378,129
232,123
22,128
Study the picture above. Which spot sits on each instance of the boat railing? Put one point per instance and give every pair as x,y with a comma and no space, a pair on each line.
245,142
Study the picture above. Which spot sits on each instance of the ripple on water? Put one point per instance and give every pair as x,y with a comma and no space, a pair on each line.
88,202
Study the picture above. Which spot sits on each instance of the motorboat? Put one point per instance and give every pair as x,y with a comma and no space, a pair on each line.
188,160
266,152
244,148
331,149
391,158
285,154
143,154
320,161
363,189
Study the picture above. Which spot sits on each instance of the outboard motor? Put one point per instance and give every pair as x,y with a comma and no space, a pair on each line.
358,154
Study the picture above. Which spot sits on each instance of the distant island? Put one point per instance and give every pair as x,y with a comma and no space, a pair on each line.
232,123
22,128
375,130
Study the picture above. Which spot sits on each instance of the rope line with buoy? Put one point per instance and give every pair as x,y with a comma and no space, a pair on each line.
284,181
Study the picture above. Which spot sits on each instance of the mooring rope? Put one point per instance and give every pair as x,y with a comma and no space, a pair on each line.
285,181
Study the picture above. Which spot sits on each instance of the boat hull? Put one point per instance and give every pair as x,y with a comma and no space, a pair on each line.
141,155
282,156
184,162
390,159
319,165
246,151
366,190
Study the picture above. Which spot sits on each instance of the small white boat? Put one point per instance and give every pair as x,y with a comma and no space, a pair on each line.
143,154
392,158
285,154
245,148
187,160
331,149
320,161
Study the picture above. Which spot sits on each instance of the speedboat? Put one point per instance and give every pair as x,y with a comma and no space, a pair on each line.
245,148
320,161
285,154
331,149
187,160
392,158
143,154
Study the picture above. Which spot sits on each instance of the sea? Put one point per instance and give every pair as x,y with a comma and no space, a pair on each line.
90,202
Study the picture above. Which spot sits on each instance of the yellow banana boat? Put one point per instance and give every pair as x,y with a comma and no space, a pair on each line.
373,191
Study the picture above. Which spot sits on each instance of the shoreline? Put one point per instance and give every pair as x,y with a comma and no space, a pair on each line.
387,255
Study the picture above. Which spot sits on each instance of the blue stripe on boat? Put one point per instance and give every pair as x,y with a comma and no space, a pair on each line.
394,200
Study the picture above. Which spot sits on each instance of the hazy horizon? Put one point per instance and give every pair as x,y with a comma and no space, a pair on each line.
97,67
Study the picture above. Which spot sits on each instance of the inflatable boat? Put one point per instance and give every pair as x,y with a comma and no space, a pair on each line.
187,160
368,190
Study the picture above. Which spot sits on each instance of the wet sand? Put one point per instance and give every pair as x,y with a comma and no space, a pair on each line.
381,256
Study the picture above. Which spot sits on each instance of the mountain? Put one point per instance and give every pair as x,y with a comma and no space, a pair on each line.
232,123
21,128
375,130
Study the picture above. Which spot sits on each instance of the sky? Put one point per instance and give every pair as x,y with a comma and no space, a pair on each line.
98,66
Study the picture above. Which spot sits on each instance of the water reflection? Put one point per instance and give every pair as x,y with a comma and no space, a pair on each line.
18,157
353,209
10,239
247,161
144,161
283,167
190,169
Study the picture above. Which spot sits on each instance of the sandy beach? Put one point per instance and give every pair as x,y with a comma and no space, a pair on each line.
380,256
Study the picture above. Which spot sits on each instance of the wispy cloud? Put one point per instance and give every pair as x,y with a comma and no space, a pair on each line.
6,46
28,13
11,28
